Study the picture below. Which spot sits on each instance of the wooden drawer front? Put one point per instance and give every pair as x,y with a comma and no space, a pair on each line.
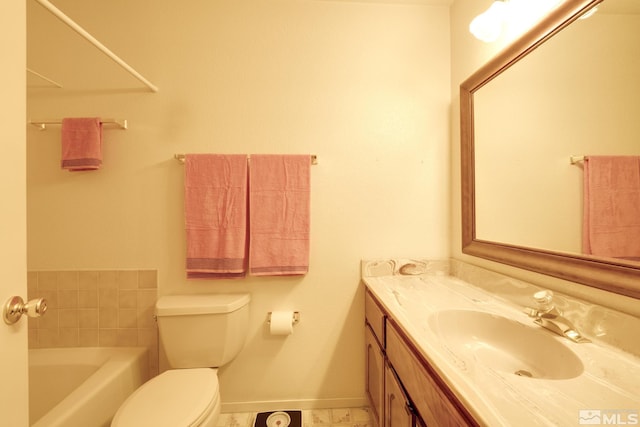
375,317
397,412
433,404
374,376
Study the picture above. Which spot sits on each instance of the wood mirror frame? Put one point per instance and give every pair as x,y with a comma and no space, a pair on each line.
602,273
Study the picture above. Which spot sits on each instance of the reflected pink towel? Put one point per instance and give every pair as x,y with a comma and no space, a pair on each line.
216,215
279,191
611,226
81,144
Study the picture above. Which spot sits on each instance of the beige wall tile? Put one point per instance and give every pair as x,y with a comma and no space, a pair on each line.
48,338
107,279
147,298
145,318
127,337
88,280
107,297
108,318
127,298
32,284
89,337
33,338
68,280
88,318
69,337
147,337
49,320
68,318
32,323
127,279
51,297
67,299
88,298
127,319
47,281
108,337
147,279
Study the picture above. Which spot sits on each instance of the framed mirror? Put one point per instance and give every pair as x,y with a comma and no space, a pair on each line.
547,99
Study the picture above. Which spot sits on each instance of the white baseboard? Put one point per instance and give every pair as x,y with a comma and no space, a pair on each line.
281,405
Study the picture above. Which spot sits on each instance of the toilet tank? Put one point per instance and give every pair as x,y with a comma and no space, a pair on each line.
199,331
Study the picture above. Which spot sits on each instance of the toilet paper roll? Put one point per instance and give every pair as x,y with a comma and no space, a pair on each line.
281,323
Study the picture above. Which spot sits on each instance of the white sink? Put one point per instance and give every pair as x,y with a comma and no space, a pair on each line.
505,345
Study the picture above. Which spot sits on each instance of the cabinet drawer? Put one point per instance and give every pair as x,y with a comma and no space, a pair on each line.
433,402
375,317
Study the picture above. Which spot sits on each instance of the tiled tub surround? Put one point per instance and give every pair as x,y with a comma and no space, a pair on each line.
106,308
610,379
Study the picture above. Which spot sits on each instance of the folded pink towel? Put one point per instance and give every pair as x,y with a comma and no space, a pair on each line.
216,215
611,226
279,191
81,144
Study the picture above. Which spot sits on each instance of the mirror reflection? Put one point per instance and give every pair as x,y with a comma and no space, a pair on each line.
576,95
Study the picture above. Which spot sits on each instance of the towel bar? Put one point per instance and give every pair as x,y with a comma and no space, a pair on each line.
181,157
42,124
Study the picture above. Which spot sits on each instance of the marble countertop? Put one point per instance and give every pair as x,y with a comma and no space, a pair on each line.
608,387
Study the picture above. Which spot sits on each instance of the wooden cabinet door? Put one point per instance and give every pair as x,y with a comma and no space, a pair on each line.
397,412
432,400
374,376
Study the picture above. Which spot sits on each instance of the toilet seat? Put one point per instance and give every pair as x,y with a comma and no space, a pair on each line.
175,398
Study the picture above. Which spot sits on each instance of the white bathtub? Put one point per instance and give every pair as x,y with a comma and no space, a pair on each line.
82,387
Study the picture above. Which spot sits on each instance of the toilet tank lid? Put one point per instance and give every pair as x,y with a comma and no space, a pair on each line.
177,305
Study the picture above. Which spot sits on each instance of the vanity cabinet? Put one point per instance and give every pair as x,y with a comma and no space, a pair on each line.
413,395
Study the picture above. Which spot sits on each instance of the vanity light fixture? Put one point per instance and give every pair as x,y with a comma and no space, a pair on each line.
509,18
488,25
589,13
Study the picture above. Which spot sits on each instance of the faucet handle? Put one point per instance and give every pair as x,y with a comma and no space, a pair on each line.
544,299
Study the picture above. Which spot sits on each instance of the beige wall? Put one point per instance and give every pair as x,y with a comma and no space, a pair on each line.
468,54
365,86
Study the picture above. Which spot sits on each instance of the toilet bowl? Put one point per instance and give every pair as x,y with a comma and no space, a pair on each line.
178,397
198,333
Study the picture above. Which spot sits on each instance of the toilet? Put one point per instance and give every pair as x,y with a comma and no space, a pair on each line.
198,333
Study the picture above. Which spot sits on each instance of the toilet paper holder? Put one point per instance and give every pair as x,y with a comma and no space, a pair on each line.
294,319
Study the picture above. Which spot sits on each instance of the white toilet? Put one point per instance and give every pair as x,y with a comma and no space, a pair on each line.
198,334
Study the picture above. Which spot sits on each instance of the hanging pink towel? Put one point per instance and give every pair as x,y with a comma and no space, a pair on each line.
611,226
81,144
216,215
279,191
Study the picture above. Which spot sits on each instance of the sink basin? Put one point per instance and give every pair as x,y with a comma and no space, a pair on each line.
505,345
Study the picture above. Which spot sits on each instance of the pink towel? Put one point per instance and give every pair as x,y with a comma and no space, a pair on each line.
81,144
216,215
279,215
611,225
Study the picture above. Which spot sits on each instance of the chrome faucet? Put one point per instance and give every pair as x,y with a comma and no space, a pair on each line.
547,315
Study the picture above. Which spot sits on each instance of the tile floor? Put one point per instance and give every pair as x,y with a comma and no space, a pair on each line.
343,417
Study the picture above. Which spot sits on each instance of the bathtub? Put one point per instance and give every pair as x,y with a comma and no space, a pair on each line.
83,386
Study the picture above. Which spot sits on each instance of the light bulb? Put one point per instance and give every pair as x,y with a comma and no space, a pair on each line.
488,25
